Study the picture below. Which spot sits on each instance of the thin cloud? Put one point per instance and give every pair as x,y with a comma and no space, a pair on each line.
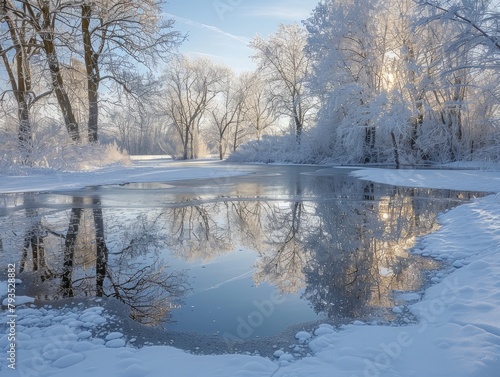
188,21
204,54
296,13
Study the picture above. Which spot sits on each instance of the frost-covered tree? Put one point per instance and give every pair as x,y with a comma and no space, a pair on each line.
139,127
398,82
283,64
258,106
348,45
50,24
468,61
480,18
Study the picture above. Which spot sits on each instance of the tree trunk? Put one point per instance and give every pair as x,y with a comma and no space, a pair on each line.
191,145
395,146
369,144
25,132
20,88
186,144
92,68
298,124
416,126
47,35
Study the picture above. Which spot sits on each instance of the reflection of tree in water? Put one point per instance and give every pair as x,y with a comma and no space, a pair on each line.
282,260
339,259
198,232
34,240
348,254
361,251
131,271
272,229
247,220
284,255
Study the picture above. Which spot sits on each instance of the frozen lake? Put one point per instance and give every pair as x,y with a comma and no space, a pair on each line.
239,257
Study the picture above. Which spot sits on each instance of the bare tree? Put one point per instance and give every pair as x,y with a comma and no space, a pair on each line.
191,85
226,114
121,38
116,40
16,48
43,17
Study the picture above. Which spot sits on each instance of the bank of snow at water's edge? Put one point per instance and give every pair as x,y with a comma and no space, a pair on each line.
458,333
461,180
139,171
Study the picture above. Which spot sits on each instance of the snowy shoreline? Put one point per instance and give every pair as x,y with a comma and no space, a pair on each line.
139,171
458,333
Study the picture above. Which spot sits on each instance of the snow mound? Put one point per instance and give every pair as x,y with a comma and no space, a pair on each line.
115,343
323,331
302,335
113,335
20,300
68,360
134,370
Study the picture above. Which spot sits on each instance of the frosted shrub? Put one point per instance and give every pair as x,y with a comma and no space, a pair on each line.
10,157
85,157
52,151
275,149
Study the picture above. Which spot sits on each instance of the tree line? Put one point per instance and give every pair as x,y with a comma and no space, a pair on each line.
378,81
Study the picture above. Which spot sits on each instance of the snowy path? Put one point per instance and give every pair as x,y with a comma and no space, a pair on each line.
458,333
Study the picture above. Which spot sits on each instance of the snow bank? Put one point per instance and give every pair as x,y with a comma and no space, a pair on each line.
137,171
466,180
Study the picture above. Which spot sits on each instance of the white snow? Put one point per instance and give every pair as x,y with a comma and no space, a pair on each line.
138,171
278,353
457,333
19,300
323,331
302,335
68,360
113,335
115,343
464,180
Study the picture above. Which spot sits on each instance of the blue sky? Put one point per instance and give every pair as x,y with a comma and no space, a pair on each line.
221,29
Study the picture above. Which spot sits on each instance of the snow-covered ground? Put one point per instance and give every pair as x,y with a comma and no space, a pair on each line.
458,333
462,180
141,169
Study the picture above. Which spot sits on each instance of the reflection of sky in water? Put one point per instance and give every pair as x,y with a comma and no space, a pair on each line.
273,248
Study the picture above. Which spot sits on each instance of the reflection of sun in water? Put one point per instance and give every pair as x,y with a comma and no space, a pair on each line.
384,271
